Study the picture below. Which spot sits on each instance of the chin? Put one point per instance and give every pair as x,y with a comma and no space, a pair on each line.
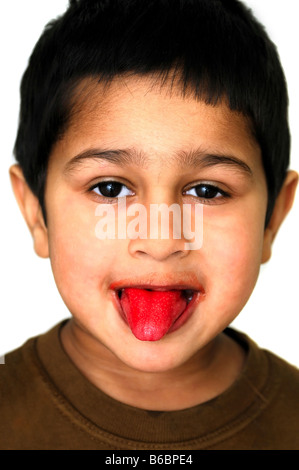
153,356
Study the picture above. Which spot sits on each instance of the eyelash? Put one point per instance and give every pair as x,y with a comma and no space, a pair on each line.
218,193
103,183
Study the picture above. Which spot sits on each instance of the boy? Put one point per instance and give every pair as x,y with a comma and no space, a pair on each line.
181,103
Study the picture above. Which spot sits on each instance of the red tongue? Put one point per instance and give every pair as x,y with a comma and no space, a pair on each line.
151,314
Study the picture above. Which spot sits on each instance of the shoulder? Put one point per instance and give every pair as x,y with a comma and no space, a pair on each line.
25,397
279,418
18,375
285,379
281,377
264,364
270,387
23,369
15,368
278,379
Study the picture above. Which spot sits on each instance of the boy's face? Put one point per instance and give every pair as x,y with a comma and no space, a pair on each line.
175,144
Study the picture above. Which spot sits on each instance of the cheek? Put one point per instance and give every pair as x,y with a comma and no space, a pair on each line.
232,249
80,261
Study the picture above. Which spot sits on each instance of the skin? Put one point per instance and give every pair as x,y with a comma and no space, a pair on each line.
197,361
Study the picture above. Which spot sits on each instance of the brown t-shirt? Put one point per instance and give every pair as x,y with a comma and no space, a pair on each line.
46,403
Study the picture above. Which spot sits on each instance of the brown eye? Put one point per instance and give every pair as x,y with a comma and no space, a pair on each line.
206,191
111,189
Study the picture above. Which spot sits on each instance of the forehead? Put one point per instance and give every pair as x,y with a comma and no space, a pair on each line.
155,118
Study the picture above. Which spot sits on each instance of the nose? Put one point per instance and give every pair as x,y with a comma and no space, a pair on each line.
162,236
159,250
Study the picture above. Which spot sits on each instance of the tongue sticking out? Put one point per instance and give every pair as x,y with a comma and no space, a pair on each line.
151,314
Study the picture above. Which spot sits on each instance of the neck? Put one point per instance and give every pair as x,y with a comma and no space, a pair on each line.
203,377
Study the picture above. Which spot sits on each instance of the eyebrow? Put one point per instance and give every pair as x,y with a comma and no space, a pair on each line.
201,159
123,157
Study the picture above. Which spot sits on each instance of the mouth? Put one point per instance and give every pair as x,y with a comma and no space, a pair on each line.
151,312
188,294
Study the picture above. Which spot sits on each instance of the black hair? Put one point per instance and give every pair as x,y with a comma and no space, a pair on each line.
217,48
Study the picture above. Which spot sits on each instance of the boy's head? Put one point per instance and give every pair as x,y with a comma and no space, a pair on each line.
162,102
213,50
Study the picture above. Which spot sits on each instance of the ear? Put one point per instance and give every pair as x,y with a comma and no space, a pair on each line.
282,206
31,211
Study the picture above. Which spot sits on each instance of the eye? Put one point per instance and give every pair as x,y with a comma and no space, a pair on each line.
111,189
206,191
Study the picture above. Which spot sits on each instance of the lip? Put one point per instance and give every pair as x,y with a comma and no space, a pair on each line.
188,282
196,287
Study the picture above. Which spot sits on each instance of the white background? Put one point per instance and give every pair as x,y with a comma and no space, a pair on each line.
30,303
